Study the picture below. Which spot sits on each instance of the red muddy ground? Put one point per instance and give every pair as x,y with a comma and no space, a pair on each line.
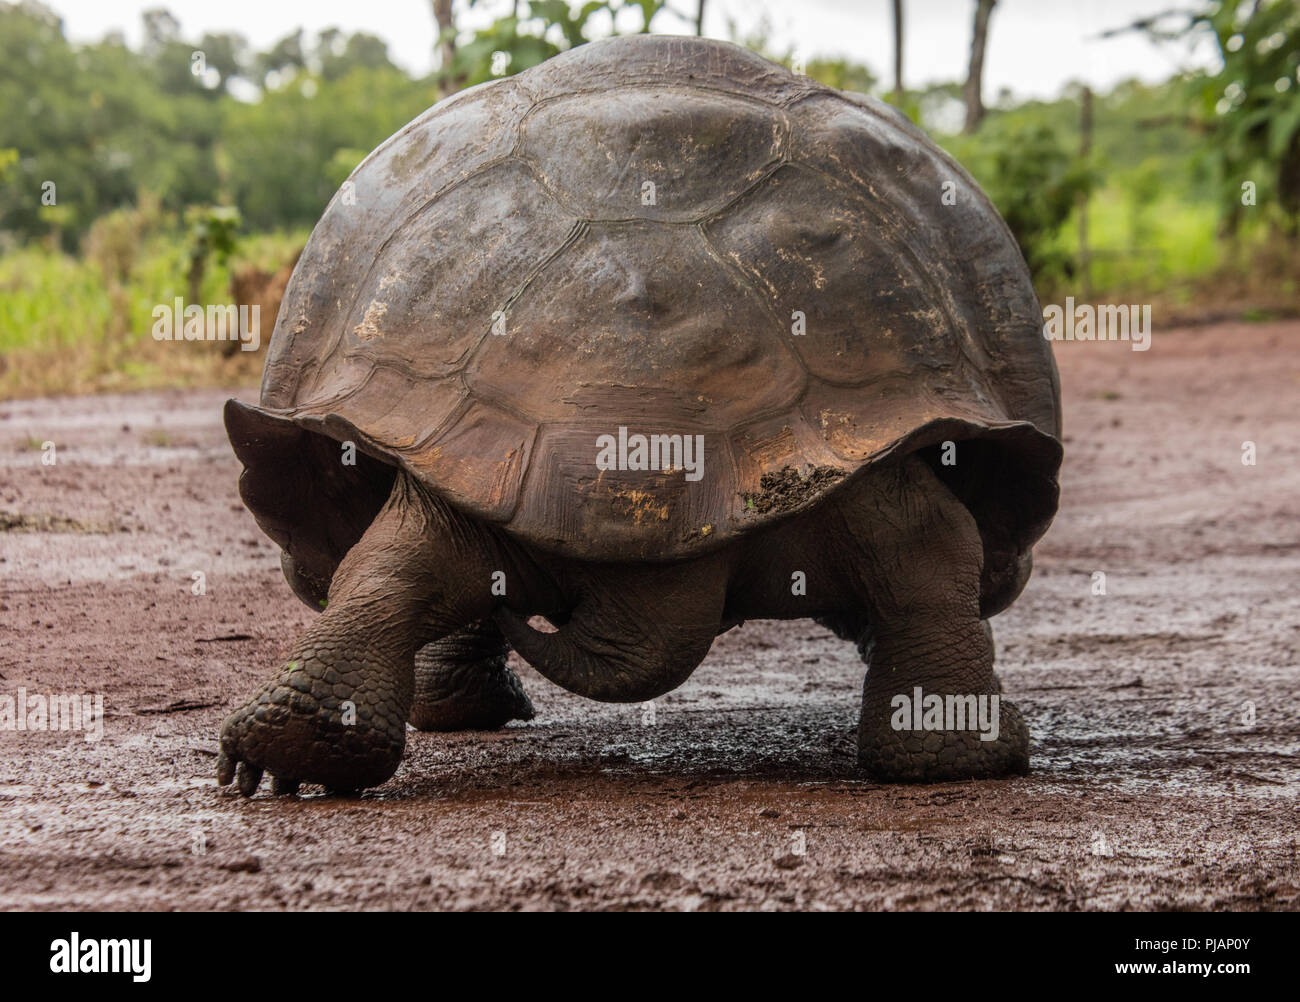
1148,791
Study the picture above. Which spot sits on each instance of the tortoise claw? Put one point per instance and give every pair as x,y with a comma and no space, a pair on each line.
249,778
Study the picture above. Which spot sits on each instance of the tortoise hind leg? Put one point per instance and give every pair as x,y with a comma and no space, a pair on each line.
462,683
931,704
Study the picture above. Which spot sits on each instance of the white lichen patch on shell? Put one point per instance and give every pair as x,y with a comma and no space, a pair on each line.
368,329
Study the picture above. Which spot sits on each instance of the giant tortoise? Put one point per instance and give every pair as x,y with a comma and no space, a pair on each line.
651,339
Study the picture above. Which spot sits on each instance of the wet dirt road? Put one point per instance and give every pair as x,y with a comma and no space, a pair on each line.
1165,714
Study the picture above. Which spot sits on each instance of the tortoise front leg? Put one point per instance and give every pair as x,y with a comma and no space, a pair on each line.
335,713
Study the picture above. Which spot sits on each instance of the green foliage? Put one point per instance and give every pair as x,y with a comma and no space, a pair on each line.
1250,108
93,120
107,124
50,300
283,151
285,55
842,74
533,33
337,54
342,164
212,231
1255,100
1166,244
114,239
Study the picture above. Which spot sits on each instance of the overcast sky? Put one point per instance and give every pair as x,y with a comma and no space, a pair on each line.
1035,46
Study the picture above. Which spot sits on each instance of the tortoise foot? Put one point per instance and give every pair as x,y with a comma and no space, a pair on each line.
319,720
907,754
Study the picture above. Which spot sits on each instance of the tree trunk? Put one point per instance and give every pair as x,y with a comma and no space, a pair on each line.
972,91
1288,186
446,45
1085,150
898,51
198,268
699,18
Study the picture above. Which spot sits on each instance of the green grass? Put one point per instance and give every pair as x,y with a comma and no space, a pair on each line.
54,300
66,328
1146,248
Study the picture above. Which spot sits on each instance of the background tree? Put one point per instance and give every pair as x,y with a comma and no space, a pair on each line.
212,231
898,51
1250,108
523,38
336,54
225,54
285,56
975,78
446,41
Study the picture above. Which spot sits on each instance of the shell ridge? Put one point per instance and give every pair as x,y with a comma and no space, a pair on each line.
943,155
574,236
940,294
399,228
778,324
